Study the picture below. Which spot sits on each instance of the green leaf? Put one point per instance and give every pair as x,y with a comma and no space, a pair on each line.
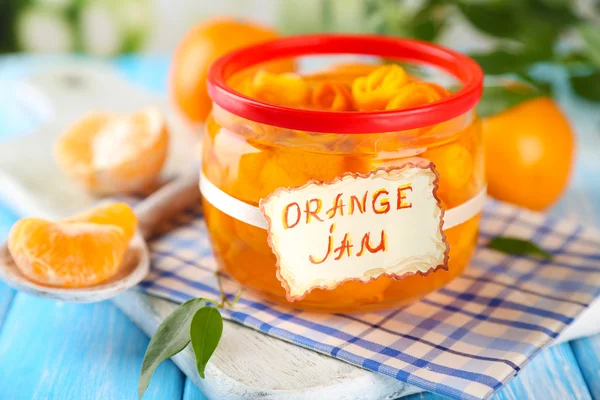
496,99
501,62
587,86
172,336
554,3
429,21
205,332
427,28
530,28
542,22
516,246
590,33
576,63
494,18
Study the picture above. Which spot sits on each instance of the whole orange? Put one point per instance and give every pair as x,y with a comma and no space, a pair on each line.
529,153
198,49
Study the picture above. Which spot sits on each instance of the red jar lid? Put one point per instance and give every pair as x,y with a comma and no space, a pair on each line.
456,64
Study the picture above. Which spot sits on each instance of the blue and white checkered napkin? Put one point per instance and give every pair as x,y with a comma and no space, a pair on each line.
464,341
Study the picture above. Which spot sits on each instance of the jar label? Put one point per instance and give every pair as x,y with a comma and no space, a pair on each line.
357,227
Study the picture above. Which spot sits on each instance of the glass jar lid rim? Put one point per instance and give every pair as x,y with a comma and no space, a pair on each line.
462,67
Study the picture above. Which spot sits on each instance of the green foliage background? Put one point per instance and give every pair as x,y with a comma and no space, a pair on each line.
128,20
521,33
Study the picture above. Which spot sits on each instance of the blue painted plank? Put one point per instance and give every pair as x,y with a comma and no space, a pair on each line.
191,392
587,353
6,298
52,350
149,71
424,396
7,218
553,374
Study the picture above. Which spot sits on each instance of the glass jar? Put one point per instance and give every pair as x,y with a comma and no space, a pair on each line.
252,148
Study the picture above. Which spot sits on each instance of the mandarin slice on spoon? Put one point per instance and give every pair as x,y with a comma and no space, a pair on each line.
80,251
109,154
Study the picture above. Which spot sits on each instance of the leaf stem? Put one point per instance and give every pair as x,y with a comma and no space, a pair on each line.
225,303
221,291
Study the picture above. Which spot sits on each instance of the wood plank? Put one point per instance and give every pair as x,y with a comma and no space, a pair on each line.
6,294
191,391
52,350
553,374
6,297
587,354
149,71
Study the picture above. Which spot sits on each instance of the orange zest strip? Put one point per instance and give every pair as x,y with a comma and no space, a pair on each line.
331,96
286,89
416,94
374,91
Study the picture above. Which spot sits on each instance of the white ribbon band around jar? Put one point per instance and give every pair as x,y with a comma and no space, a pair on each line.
253,216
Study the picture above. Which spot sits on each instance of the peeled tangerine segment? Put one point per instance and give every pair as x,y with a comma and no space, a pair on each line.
257,172
250,173
262,173
454,163
109,154
455,166
80,251
119,214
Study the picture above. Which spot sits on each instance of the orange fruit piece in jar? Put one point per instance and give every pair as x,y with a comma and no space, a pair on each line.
250,170
415,94
286,89
81,251
529,152
110,154
202,45
374,91
455,165
344,73
372,291
283,167
331,96
453,162
352,68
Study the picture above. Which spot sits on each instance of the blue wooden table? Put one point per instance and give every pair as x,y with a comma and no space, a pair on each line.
53,350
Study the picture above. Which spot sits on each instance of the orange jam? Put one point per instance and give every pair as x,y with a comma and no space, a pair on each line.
248,158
